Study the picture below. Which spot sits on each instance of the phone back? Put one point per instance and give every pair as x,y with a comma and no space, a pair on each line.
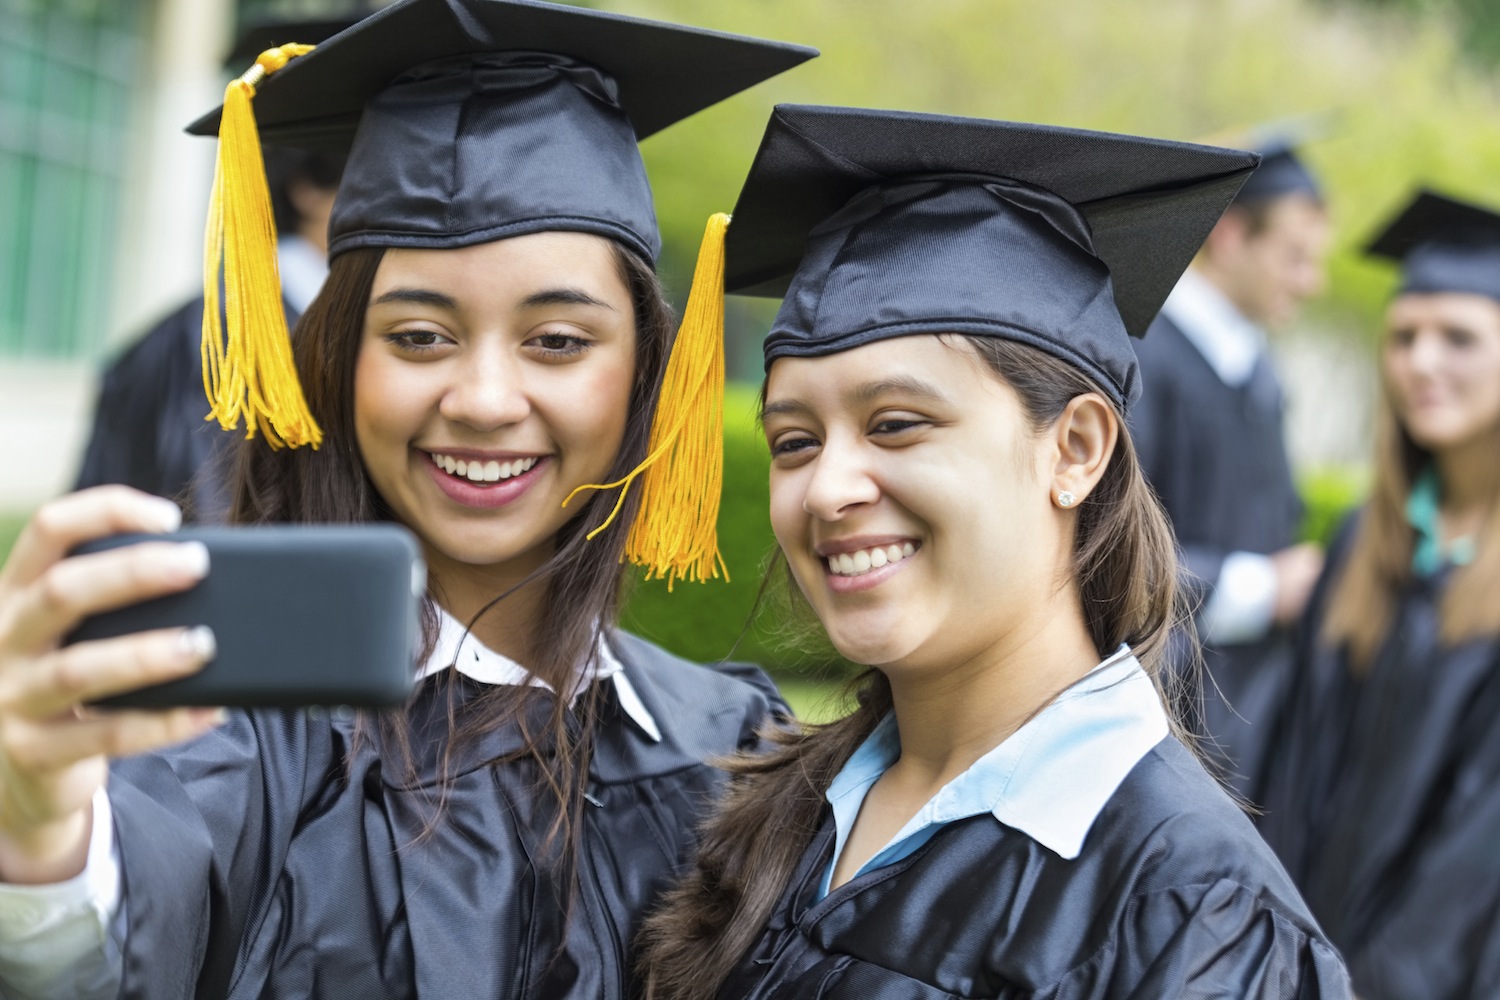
303,615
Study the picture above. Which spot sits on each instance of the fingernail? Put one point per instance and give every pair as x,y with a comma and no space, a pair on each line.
198,643
168,514
191,559
212,716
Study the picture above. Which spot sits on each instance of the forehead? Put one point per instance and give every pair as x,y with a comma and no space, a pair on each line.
519,264
1295,216
1465,309
940,367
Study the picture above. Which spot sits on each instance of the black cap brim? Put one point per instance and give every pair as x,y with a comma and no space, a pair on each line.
1433,218
316,100
1149,202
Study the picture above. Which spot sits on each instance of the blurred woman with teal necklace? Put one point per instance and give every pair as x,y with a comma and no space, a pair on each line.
1383,795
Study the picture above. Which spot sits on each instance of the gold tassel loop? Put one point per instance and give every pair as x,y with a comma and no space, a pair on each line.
248,370
682,476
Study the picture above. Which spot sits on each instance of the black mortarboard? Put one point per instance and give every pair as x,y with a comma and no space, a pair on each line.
878,224
1280,173
472,120
1444,245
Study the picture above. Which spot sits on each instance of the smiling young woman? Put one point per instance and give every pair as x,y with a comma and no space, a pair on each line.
491,338
1008,812
1385,799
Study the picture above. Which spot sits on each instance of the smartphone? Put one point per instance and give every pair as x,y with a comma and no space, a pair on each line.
302,615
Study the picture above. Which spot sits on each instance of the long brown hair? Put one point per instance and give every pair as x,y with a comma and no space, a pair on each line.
1363,596
581,580
1125,562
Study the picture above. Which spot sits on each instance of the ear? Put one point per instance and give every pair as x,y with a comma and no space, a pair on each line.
1085,437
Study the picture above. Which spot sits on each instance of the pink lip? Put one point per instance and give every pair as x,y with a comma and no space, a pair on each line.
483,495
854,584
840,584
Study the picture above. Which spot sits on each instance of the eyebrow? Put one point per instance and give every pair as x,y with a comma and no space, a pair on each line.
563,297
865,393
418,296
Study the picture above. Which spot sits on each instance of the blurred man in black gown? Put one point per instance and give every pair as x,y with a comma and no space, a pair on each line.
1209,431
149,429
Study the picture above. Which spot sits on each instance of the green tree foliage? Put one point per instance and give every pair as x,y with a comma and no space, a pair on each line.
1405,107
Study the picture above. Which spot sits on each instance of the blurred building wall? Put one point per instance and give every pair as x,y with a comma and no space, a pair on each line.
101,204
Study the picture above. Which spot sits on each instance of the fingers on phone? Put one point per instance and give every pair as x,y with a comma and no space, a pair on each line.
89,671
108,734
70,590
71,520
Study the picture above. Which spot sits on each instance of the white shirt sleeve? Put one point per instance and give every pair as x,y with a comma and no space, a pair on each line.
63,940
1243,602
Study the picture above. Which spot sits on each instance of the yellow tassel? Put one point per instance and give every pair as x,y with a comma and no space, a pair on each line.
249,372
676,534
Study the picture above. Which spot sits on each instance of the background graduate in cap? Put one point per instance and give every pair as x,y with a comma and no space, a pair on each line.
491,337
1210,435
148,430
1383,798
1007,812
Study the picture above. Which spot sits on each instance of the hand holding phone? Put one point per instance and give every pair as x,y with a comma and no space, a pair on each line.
54,756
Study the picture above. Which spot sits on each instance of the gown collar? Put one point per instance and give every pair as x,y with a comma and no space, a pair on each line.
1230,343
460,649
1049,779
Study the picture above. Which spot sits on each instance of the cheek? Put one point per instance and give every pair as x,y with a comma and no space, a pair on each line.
587,405
788,519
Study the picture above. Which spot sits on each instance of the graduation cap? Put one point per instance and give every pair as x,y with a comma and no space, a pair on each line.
1444,245
260,34
1281,171
465,121
878,224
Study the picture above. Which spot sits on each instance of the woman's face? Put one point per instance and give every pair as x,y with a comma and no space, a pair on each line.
1442,367
912,499
491,381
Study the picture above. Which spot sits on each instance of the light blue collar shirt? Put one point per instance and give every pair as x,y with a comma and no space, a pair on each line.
1049,779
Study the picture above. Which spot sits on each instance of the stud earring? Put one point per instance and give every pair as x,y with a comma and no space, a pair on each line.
1066,499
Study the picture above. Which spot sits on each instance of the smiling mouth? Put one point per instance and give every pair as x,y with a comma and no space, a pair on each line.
477,471
864,561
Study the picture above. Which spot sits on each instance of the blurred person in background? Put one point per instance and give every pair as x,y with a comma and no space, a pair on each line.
1383,798
149,428
1209,431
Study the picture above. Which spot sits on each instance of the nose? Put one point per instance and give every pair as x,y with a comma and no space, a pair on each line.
488,391
841,481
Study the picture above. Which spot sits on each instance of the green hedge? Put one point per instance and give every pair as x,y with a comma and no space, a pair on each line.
711,621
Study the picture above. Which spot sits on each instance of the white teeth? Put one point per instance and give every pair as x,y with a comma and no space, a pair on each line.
477,471
863,561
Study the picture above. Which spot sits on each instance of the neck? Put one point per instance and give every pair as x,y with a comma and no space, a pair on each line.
950,716
1469,475
464,590
1209,270
316,234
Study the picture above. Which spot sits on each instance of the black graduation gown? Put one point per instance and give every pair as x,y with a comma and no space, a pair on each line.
1216,457
1384,803
256,866
148,429
1173,895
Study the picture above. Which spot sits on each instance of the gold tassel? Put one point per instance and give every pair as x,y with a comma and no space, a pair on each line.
676,534
249,372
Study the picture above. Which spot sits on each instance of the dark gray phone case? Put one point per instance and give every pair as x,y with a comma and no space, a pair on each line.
303,615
